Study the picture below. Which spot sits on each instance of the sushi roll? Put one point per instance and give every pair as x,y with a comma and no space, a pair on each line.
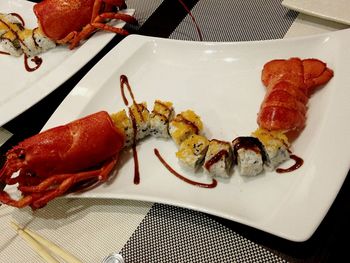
34,42
192,151
41,42
9,26
183,125
161,115
28,44
276,147
249,155
15,39
218,159
140,117
123,123
11,46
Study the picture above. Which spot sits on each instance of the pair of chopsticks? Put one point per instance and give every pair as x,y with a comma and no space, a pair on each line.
43,246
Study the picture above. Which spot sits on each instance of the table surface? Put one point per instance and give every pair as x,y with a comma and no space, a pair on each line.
328,242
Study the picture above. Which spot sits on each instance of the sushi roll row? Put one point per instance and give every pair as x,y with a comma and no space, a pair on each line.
16,39
252,155
217,157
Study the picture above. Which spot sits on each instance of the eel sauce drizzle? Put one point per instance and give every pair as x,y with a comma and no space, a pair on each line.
183,178
37,60
125,82
298,162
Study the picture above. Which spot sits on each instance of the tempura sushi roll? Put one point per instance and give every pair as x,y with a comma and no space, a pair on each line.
28,44
16,39
161,115
139,114
276,147
11,46
183,125
192,151
34,42
123,123
218,159
249,155
9,26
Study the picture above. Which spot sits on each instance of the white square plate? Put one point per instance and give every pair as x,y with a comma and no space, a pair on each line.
20,89
334,10
221,82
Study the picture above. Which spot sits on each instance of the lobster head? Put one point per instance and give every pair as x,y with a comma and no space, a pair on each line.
58,18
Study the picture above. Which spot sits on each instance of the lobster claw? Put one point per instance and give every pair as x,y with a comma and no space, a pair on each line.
52,162
13,163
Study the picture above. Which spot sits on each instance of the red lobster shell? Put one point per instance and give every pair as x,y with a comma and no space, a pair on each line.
57,18
70,21
50,162
289,84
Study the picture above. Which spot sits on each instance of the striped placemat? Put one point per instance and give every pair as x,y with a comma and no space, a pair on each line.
236,20
172,234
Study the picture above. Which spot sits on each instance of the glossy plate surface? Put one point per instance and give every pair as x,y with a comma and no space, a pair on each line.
21,89
335,10
221,82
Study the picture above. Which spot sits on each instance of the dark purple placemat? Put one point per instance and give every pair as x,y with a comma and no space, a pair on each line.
172,234
236,20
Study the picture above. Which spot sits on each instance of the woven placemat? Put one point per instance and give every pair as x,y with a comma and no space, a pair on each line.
236,20
172,234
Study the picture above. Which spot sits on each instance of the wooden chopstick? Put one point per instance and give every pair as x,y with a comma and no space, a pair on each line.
34,244
38,243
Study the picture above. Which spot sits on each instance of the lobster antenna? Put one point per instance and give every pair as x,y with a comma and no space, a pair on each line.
193,19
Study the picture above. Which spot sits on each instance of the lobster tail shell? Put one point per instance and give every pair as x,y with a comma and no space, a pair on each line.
316,74
289,84
277,70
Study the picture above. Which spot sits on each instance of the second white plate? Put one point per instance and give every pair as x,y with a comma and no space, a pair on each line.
21,89
334,10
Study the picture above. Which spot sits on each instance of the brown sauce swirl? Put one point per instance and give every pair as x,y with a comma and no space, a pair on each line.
125,82
298,163
37,61
183,178
193,20
19,17
4,53
134,150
